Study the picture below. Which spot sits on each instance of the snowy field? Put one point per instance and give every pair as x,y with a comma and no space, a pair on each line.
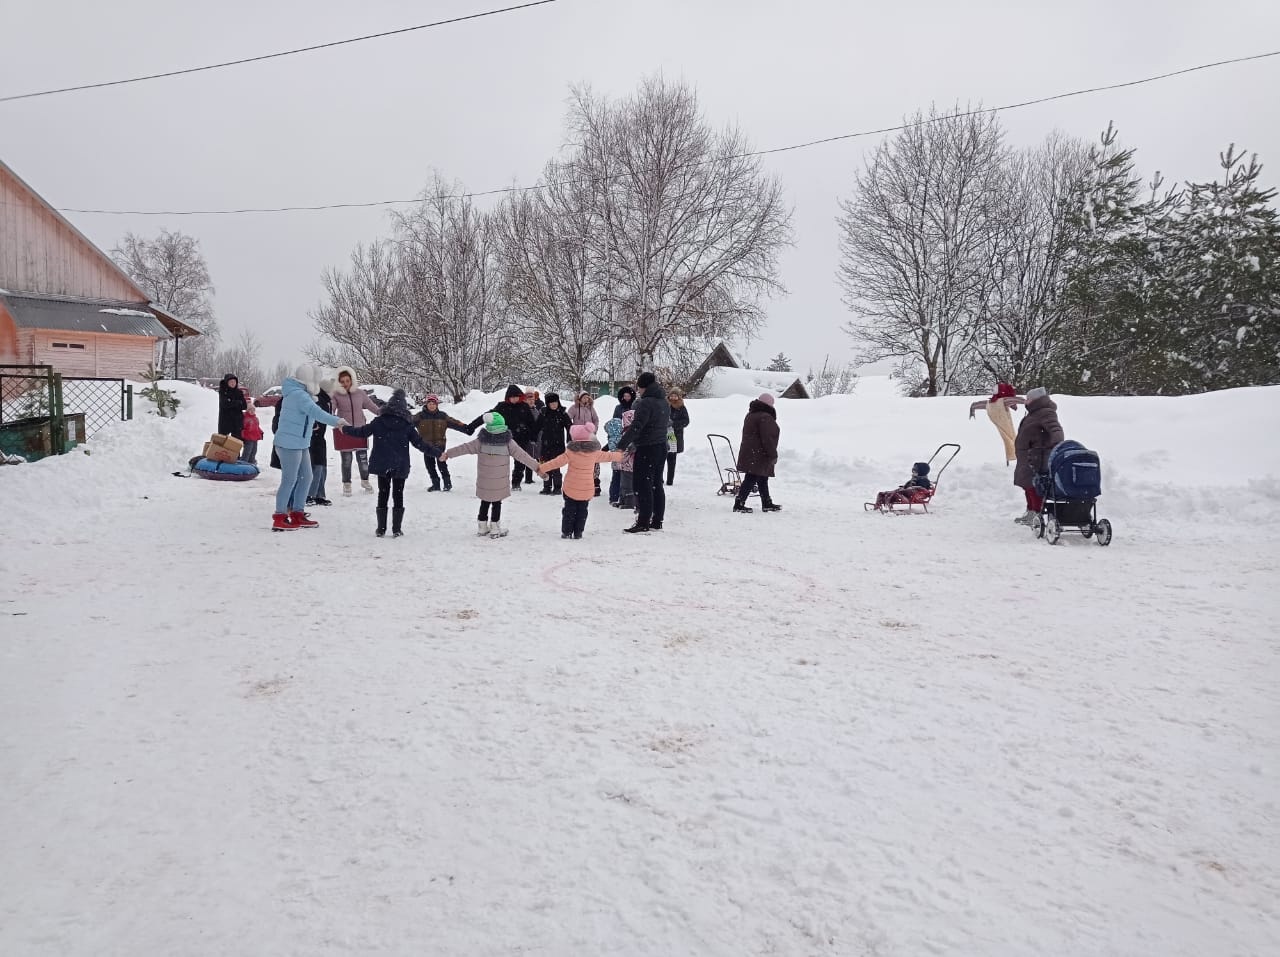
817,732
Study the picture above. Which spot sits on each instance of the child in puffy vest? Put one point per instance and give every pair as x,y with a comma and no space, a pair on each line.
910,491
494,448
581,456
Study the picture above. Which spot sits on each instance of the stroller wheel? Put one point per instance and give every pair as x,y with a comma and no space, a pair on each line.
1038,527
1103,530
1052,531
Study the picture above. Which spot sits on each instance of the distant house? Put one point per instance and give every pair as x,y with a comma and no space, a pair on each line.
721,374
64,302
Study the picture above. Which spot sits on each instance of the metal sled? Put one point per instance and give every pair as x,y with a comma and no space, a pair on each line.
904,503
730,478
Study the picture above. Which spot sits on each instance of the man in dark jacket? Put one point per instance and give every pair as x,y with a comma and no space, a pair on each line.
231,406
648,433
518,415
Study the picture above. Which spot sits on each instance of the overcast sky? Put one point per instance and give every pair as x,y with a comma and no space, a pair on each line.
483,102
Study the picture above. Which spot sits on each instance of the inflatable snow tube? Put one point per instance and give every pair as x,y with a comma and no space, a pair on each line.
224,471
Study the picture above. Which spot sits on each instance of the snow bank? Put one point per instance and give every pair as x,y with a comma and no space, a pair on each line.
722,382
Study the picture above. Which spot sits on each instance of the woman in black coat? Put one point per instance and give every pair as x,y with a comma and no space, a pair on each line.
393,432
679,422
758,454
320,453
231,406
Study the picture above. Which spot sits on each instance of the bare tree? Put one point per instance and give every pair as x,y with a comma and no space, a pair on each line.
691,227
243,360
359,318
556,280
450,321
283,370
917,247
173,273
832,379
1023,321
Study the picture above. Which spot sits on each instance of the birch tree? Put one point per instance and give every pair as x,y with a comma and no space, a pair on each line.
916,242
172,271
691,227
450,315
359,315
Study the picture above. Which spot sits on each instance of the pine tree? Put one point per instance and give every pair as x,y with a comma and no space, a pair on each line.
1112,289
1223,281
779,363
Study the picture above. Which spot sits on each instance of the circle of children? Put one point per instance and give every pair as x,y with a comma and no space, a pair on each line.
645,432
521,435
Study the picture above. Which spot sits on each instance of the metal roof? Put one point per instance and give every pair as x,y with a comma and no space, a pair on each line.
86,316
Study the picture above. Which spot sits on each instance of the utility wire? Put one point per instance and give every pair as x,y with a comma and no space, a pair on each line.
273,56
765,152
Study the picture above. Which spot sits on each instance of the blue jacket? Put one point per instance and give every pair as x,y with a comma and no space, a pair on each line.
392,434
298,413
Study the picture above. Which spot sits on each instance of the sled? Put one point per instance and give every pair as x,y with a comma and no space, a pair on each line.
730,478
905,503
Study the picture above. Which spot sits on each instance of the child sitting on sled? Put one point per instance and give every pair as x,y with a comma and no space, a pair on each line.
909,493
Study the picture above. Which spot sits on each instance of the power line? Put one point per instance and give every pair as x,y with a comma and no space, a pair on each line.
765,152
273,56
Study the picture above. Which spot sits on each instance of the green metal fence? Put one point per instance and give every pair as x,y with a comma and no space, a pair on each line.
42,413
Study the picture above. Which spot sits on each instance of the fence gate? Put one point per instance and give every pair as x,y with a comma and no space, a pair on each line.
41,413
102,401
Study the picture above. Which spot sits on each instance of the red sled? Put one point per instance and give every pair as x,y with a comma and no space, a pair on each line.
903,501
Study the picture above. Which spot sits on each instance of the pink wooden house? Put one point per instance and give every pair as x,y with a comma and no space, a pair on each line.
64,302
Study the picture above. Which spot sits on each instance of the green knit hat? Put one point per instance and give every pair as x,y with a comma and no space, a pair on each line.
494,422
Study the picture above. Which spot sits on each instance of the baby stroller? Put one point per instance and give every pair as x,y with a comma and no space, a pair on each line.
904,500
1071,489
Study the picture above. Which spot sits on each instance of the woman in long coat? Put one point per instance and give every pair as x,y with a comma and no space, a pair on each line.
758,454
1038,433
231,406
679,422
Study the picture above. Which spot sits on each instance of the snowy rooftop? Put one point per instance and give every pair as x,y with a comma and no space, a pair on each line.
722,381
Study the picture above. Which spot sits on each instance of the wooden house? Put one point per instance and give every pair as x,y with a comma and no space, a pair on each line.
711,379
64,302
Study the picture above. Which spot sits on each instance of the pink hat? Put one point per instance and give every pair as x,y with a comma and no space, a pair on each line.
581,433
766,398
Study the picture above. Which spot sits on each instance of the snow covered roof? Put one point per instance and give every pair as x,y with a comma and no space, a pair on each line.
86,316
721,382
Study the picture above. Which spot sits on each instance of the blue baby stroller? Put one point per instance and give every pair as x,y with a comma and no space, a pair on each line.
1071,489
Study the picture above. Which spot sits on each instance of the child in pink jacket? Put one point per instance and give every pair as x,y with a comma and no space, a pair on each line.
583,455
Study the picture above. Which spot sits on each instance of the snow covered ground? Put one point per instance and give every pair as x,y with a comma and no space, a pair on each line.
814,732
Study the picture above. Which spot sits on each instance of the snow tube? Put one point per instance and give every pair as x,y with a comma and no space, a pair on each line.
224,471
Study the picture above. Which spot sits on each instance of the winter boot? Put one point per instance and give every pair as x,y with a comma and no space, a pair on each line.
397,519
557,484
448,485
346,489
741,507
300,520
497,530
1026,518
482,529
435,487
280,522
771,507
546,488
382,522
364,484
637,528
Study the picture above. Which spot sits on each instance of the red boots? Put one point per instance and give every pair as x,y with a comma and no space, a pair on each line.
300,520
280,523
